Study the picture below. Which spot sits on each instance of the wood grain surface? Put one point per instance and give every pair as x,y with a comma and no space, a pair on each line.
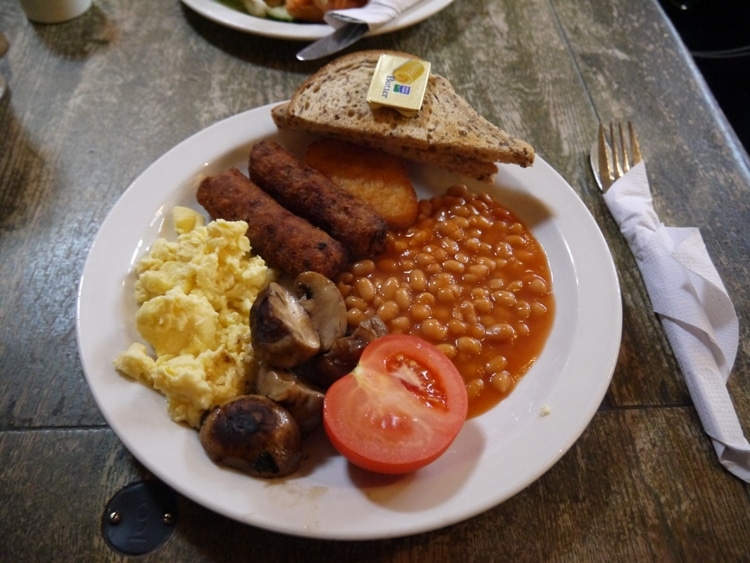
94,101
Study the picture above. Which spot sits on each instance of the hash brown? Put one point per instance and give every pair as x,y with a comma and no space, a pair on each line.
374,177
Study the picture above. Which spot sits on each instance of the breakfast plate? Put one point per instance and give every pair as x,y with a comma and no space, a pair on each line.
230,13
496,455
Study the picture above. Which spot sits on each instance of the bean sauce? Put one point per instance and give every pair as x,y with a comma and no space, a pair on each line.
469,277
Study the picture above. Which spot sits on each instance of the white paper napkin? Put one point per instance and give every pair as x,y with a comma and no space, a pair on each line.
695,310
376,13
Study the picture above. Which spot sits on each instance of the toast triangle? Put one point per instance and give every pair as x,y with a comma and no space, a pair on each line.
482,171
333,101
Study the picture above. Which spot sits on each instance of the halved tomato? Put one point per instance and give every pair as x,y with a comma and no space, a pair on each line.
400,408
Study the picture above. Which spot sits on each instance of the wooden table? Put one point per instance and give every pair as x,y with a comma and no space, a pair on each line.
94,101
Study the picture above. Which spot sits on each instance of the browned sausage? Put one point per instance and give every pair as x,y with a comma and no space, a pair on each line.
280,237
310,194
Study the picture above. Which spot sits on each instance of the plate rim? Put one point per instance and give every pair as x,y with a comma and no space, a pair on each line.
237,128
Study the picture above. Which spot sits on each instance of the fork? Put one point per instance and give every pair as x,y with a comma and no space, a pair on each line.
614,159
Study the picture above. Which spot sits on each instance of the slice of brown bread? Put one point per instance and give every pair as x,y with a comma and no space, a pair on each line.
482,171
333,101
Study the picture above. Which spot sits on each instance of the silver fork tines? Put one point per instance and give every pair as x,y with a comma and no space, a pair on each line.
614,156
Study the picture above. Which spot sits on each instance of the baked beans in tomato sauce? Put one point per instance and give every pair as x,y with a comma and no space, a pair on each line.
469,277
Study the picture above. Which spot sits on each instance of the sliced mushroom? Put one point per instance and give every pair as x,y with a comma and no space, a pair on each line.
304,402
343,356
322,300
254,435
281,330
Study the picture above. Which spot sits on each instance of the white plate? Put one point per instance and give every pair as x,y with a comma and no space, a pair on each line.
242,21
495,456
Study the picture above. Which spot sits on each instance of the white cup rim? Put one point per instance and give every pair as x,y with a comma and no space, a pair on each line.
54,11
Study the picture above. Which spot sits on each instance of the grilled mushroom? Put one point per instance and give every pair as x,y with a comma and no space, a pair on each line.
343,356
304,402
281,330
322,300
254,435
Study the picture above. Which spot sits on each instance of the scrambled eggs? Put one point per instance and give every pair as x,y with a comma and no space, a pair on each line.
194,298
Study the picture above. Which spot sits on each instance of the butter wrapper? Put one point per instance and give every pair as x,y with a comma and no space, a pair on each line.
400,83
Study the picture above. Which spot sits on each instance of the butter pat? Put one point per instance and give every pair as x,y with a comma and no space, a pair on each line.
400,83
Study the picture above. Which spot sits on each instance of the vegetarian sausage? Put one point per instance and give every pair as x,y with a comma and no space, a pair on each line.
283,239
310,194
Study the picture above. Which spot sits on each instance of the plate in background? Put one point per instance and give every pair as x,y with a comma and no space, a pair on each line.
242,21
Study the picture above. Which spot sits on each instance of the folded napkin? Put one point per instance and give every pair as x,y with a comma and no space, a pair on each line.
376,13
695,310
